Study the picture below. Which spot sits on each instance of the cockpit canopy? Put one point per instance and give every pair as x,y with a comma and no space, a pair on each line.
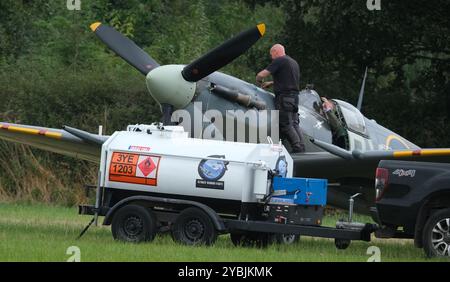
310,99
353,118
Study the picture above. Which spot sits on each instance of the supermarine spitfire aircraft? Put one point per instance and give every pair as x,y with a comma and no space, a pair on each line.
349,168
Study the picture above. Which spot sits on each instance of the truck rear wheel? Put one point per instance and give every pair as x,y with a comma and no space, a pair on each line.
436,234
194,227
133,223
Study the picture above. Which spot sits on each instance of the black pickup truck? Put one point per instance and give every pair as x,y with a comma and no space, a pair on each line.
413,201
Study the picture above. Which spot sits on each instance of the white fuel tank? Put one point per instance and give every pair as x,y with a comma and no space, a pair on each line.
147,158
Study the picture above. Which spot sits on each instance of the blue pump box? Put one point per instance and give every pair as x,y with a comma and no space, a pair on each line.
300,191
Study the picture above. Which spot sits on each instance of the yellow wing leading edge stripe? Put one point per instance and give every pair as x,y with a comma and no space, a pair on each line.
32,131
424,152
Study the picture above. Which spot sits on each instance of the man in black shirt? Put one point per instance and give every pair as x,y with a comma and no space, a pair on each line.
286,76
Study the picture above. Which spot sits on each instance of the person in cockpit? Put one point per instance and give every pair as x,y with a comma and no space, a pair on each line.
337,128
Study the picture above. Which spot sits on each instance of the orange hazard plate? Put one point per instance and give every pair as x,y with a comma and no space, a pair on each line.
134,168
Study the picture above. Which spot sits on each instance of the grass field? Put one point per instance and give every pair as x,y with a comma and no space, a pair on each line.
44,233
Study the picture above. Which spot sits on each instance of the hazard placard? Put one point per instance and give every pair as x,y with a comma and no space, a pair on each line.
134,168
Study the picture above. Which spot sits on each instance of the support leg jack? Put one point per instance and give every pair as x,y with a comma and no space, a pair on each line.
86,228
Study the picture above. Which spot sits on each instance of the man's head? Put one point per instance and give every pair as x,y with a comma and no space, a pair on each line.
277,51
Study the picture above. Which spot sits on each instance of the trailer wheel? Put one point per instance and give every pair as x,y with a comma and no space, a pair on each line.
251,239
133,223
436,234
287,239
342,244
194,227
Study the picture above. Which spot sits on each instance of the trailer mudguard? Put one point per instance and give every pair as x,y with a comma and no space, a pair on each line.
217,221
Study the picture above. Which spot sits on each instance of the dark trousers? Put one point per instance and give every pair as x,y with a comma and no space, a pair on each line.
287,105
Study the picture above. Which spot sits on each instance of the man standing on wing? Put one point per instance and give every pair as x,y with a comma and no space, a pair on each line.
286,79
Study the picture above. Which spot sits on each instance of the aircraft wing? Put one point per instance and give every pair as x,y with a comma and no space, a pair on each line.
332,167
354,172
425,155
336,162
68,141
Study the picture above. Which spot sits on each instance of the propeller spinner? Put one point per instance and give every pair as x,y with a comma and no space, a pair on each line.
173,86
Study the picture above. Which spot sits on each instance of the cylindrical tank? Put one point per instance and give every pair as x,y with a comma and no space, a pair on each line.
166,162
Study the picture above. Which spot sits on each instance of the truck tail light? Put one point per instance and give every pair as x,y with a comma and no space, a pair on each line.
381,182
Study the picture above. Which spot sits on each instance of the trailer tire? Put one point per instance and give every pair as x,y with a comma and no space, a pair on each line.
194,227
251,239
134,223
342,244
287,239
437,227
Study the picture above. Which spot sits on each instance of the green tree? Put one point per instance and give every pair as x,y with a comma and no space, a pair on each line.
405,46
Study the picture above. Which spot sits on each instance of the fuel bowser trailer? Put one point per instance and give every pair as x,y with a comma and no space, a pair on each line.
155,177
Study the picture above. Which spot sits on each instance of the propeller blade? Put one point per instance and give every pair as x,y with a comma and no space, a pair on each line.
124,47
223,54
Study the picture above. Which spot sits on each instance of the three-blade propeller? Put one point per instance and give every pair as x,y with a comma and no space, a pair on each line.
173,86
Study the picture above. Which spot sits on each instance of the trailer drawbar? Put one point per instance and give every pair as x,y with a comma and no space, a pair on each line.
154,178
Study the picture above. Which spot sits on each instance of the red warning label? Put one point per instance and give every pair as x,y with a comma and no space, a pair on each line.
147,166
134,168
